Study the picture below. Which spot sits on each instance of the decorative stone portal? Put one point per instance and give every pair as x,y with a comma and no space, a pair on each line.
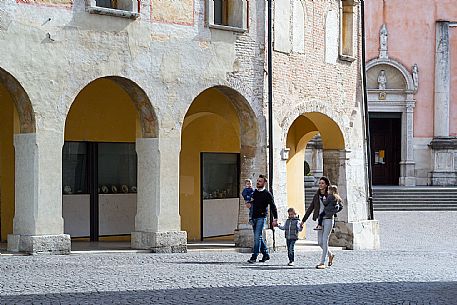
391,88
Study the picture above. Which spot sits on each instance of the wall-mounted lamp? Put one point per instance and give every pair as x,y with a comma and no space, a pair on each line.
285,153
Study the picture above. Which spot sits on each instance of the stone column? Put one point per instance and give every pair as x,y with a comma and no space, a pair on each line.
243,235
407,165
335,170
157,222
444,147
442,80
353,230
253,163
38,223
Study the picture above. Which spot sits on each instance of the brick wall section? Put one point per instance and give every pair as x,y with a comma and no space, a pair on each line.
299,78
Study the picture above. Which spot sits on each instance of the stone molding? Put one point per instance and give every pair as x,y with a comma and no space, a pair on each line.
443,143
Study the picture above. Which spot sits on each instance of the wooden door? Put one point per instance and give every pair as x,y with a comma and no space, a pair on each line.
385,136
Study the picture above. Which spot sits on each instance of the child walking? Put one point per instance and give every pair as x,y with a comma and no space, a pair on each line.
332,205
291,228
247,196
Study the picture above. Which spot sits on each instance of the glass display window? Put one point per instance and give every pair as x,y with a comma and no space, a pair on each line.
74,168
117,168
220,175
116,171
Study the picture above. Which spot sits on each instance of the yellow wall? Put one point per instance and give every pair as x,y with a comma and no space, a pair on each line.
8,118
301,131
211,125
102,112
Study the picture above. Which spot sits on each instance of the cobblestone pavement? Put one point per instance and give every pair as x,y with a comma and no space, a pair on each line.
415,266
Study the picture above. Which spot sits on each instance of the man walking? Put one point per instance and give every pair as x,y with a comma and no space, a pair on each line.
261,199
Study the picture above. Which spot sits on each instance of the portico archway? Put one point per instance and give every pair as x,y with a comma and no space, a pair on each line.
302,130
16,117
102,182
219,141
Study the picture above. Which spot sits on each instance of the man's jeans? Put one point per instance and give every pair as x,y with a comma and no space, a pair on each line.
290,248
259,243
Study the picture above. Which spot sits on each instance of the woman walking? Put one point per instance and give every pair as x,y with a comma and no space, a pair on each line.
317,207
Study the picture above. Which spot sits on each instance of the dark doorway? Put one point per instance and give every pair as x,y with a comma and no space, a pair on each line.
385,135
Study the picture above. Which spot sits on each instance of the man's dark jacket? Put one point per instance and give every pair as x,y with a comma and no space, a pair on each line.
261,200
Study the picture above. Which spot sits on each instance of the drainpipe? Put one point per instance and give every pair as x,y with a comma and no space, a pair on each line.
270,107
366,118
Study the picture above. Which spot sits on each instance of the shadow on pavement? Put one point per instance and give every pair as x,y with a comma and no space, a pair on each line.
355,293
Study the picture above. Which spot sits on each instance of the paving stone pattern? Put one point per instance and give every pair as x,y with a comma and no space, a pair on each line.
415,266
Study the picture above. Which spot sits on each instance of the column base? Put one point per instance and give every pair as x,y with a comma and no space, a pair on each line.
443,178
408,181
40,244
360,235
160,242
244,239
279,242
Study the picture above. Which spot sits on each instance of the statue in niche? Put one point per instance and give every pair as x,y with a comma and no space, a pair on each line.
383,36
382,80
415,76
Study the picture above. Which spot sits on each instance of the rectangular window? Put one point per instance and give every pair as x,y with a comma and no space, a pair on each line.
117,8
347,27
228,14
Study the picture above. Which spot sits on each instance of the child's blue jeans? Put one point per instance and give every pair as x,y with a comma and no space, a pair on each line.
290,248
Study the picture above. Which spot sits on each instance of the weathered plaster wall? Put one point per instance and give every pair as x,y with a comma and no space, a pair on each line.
168,53
159,57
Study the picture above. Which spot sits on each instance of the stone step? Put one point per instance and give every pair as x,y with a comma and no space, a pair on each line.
412,199
409,198
376,208
412,204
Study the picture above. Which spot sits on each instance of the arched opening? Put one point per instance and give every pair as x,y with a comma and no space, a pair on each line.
300,133
218,143
99,170
16,116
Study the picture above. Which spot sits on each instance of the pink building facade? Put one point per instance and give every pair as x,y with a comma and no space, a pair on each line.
412,91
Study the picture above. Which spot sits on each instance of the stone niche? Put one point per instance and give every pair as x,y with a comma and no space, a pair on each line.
172,11
394,78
